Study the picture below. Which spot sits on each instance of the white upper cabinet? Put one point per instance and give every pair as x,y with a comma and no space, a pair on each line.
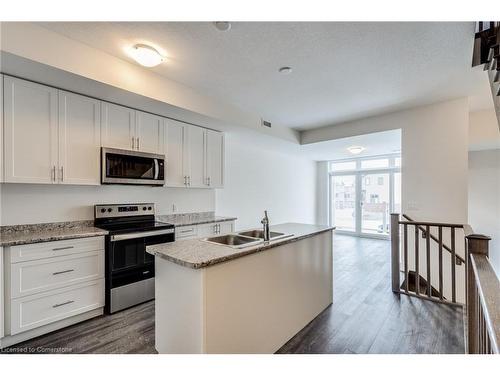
149,133
118,126
174,152
79,139
195,156
51,136
30,131
1,129
214,176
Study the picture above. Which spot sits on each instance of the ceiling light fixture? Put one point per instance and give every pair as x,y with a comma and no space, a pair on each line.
222,25
285,70
146,55
355,150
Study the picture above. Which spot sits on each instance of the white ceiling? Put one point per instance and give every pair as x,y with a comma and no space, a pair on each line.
341,71
380,143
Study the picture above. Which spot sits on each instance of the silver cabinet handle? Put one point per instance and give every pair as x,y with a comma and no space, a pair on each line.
185,180
62,173
209,182
138,143
61,272
189,180
63,248
62,304
53,176
133,143
186,231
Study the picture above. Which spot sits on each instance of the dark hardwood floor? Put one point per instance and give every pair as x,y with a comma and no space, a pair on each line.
365,317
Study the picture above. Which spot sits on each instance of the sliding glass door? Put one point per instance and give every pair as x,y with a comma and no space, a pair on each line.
363,194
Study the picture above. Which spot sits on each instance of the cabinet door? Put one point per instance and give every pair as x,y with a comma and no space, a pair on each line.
118,126
174,142
1,131
226,227
149,133
215,159
79,139
195,154
2,319
30,131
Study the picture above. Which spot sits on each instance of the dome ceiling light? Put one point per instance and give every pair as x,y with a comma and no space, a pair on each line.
146,55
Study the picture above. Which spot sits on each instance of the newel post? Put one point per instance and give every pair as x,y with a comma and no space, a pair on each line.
395,254
476,244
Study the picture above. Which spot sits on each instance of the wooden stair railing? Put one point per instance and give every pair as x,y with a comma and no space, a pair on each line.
396,224
482,284
458,258
483,299
487,52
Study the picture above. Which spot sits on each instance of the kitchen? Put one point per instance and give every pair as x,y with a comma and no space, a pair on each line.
233,187
103,175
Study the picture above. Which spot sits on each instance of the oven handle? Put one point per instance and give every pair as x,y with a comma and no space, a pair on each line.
129,236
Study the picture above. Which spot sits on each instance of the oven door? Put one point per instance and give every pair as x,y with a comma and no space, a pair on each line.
127,251
132,167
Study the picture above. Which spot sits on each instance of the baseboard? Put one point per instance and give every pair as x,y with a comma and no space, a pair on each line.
23,336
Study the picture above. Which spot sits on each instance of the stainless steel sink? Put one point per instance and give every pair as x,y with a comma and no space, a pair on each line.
259,233
233,240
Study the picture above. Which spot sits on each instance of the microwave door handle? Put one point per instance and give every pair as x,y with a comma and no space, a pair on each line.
157,169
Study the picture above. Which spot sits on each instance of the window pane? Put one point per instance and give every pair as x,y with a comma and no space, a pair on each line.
343,205
375,163
397,162
343,166
375,204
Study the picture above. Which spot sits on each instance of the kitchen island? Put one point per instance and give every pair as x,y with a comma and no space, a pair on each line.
213,298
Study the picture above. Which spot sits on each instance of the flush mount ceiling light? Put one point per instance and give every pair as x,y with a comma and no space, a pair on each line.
355,150
222,25
146,55
285,70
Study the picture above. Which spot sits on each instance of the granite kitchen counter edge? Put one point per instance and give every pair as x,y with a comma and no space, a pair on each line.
182,220
14,235
197,253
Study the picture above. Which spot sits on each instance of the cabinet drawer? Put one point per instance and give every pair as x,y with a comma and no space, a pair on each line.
189,231
44,308
46,274
52,249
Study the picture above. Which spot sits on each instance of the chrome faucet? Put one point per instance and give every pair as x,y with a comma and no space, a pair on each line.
265,223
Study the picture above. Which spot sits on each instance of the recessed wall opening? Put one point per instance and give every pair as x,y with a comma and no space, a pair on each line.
365,188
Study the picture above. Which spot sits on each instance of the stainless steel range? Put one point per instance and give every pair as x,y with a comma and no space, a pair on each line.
129,268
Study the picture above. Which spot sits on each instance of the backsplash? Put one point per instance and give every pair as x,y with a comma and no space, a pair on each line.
32,204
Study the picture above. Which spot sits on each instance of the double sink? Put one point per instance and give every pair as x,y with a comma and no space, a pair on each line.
245,238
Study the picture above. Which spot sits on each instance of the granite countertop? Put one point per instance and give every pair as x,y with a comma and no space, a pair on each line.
197,253
34,233
180,220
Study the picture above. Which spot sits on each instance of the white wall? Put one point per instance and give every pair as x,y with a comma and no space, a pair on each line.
259,178
484,199
484,133
28,203
434,142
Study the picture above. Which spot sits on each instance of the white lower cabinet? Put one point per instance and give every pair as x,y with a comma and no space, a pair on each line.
203,230
51,284
40,309
213,229
2,323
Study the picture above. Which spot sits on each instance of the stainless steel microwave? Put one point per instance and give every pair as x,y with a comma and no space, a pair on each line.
131,167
